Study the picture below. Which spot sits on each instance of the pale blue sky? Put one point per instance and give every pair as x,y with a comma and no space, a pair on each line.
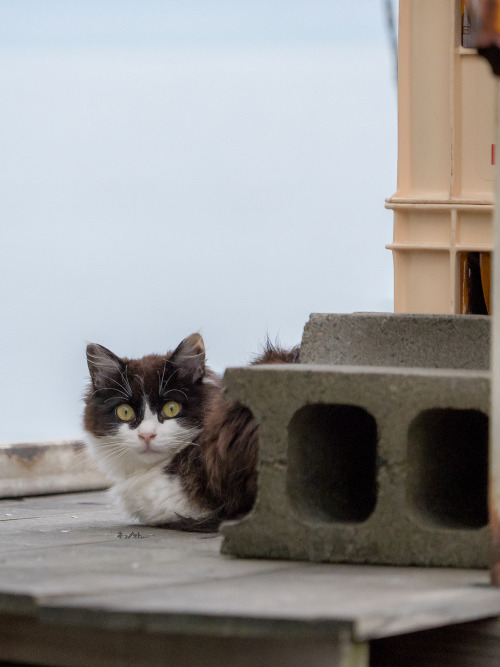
170,167
73,24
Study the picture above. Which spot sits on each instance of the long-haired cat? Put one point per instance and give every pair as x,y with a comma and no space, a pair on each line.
175,450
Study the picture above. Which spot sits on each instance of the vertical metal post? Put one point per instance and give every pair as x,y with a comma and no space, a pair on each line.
485,34
494,490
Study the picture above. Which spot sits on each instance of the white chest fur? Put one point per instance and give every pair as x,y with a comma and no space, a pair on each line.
154,497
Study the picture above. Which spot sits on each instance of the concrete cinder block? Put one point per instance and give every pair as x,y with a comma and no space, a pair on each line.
366,465
408,340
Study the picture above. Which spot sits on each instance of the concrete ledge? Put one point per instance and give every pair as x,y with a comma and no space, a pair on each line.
38,468
366,465
408,340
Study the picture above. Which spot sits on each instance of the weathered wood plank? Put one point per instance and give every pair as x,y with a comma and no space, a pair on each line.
88,501
24,639
73,560
47,467
373,602
72,544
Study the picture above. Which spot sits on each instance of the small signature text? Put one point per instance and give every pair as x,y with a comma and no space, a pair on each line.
135,535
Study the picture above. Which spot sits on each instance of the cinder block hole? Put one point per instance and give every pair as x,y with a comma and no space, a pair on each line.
332,462
447,476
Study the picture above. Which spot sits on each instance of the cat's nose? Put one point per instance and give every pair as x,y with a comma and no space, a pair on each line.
146,437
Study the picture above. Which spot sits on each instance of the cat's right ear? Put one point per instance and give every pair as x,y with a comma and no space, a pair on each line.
189,357
102,364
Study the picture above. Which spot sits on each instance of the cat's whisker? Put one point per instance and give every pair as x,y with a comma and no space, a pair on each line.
126,385
169,391
126,391
113,455
126,379
120,393
171,376
160,385
112,399
137,377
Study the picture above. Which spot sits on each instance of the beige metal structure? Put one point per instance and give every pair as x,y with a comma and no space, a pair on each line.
494,456
443,207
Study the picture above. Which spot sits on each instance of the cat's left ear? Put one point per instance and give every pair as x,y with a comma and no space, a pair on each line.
189,357
103,365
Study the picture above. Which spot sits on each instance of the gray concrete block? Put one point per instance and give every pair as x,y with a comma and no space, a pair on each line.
408,340
366,465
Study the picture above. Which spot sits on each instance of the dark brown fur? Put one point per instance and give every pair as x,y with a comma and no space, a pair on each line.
222,470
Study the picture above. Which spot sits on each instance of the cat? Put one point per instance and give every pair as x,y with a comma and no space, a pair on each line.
177,452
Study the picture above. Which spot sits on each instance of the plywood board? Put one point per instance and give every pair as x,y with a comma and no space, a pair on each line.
75,560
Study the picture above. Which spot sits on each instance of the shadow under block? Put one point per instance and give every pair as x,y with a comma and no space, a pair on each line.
362,464
388,339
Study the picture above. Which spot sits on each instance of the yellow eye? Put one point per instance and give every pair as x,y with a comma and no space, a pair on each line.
125,412
171,409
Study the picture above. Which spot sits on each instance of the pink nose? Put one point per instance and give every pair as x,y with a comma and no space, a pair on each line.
147,437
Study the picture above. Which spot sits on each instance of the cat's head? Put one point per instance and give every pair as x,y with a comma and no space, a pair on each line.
139,413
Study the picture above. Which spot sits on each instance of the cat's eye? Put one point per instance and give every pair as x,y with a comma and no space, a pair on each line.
171,409
125,412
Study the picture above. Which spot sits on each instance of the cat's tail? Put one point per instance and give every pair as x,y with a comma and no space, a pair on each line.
209,524
274,353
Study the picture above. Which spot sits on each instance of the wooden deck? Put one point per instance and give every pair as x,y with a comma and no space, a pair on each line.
81,585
